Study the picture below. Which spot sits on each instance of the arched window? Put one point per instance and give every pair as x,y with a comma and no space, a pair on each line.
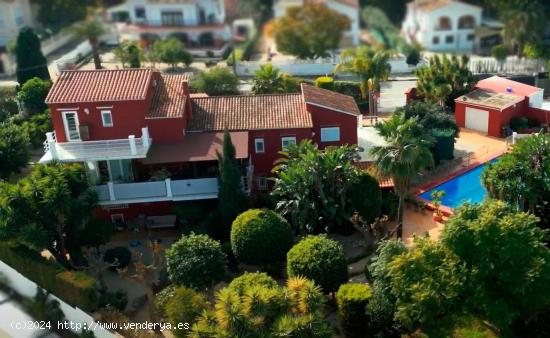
466,22
444,24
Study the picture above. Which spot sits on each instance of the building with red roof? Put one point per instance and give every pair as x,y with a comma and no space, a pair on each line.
495,101
146,142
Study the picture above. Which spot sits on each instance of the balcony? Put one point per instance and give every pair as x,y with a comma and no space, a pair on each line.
167,190
83,151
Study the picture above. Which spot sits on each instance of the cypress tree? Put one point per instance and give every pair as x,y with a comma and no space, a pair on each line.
231,197
30,60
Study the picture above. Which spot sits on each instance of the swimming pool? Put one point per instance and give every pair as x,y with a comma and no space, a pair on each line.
463,188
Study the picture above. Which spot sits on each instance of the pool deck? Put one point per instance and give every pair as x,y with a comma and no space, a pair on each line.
480,149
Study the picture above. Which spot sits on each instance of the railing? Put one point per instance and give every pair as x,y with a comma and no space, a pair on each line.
175,22
167,190
129,148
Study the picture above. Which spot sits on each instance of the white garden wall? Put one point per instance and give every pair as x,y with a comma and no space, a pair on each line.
27,288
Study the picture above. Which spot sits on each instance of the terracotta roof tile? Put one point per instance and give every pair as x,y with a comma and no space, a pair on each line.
77,86
168,98
329,99
249,112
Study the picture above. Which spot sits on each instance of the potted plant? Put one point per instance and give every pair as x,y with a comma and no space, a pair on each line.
437,196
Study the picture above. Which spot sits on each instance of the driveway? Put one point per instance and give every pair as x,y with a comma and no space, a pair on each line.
392,95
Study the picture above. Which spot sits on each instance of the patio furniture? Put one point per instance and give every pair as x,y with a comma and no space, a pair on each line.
159,222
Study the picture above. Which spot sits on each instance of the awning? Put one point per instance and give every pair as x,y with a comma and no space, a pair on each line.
197,147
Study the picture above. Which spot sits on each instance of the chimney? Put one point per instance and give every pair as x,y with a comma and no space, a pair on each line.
188,107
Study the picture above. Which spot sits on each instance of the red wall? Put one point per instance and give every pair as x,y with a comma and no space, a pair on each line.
132,212
541,115
166,130
263,163
496,118
323,117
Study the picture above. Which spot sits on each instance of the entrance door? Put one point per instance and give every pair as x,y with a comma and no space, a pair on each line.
477,119
70,121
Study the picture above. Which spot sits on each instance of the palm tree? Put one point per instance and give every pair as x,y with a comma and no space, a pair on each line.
91,30
406,153
369,65
523,25
267,80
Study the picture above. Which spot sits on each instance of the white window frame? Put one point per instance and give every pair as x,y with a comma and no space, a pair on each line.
262,183
114,216
66,125
329,129
106,112
286,139
258,141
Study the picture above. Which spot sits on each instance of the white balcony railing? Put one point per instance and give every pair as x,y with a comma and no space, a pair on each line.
167,190
82,151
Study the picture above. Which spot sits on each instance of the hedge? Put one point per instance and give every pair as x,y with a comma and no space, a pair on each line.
352,300
444,146
325,82
73,287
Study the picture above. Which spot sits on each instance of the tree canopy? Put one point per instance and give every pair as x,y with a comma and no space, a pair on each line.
55,15
309,31
30,61
216,81
444,79
90,30
313,188
270,80
49,209
14,149
171,51
522,177
130,54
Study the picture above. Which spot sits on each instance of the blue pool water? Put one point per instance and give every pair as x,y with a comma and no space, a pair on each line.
462,188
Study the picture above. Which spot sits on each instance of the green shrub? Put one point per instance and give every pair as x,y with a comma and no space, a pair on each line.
260,237
248,47
184,306
36,128
162,298
519,123
249,280
77,288
325,82
195,261
215,81
444,146
499,52
8,103
117,299
32,95
320,259
366,197
121,254
352,300
14,149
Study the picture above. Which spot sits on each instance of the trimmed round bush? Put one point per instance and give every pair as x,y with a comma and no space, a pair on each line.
260,237
325,82
251,279
120,254
519,123
319,259
185,306
352,300
195,261
366,197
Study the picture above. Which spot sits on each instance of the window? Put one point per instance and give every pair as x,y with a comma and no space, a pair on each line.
470,37
18,15
444,24
330,134
449,39
259,145
466,22
262,183
140,13
117,219
172,18
287,141
106,118
70,121
435,40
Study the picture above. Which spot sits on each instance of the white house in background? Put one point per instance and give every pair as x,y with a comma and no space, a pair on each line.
200,24
442,25
349,8
14,14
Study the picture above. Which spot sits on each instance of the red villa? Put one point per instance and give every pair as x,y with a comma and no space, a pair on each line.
495,101
146,142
